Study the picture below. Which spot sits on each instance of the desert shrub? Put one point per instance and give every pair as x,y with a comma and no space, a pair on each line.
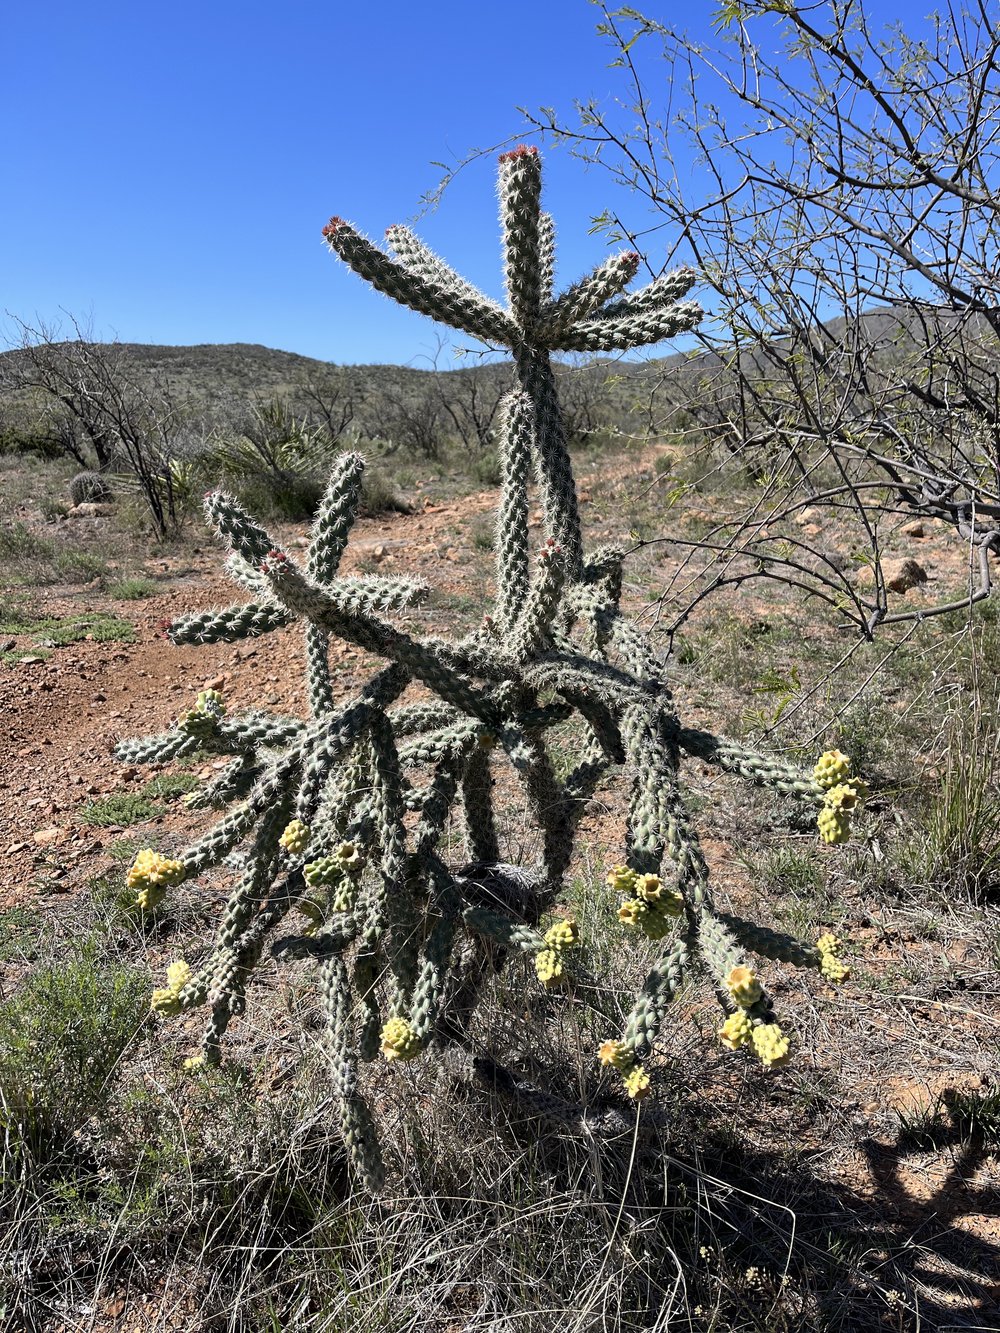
62,1037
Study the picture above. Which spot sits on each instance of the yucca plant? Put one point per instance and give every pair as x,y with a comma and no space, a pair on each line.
342,816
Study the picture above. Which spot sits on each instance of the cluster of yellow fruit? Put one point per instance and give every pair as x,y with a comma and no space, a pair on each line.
650,906
167,999
295,838
767,1039
616,1055
337,871
844,794
829,947
550,962
150,875
399,1041
202,718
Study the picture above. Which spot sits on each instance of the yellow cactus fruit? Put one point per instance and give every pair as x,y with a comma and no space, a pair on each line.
833,969
563,934
211,699
829,943
295,838
615,1055
621,879
194,1062
348,856
178,975
399,1041
833,767
743,987
165,1001
770,1045
549,967
846,796
655,923
834,826
669,902
632,911
343,899
736,1031
648,887
150,875
636,1083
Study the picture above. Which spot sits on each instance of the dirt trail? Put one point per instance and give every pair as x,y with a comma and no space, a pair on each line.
61,718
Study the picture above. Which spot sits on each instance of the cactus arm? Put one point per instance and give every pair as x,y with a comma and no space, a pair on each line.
519,185
585,296
478,817
769,943
649,1010
248,621
473,314
763,770
517,436
533,630
334,518
246,538
546,255
665,290
376,636
629,331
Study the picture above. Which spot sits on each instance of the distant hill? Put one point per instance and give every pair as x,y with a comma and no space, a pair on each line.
215,384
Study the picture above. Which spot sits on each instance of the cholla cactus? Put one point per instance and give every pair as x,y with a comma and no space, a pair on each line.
342,815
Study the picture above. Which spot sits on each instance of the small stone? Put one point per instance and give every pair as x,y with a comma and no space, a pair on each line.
901,575
45,837
91,510
914,529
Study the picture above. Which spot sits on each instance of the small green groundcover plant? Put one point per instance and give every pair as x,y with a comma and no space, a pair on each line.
342,817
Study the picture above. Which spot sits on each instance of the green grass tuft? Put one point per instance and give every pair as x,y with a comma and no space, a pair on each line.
132,589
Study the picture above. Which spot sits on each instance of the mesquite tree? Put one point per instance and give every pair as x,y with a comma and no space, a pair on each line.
342,816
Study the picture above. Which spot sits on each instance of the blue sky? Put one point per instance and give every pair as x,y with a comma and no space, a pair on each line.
169,167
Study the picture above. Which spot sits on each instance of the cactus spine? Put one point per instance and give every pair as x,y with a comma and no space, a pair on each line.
338,813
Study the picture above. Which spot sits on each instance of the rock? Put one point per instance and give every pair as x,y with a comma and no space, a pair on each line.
216,683
811,529
899,575
91,509
902,575
30,660
806,516
914,529
45,837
